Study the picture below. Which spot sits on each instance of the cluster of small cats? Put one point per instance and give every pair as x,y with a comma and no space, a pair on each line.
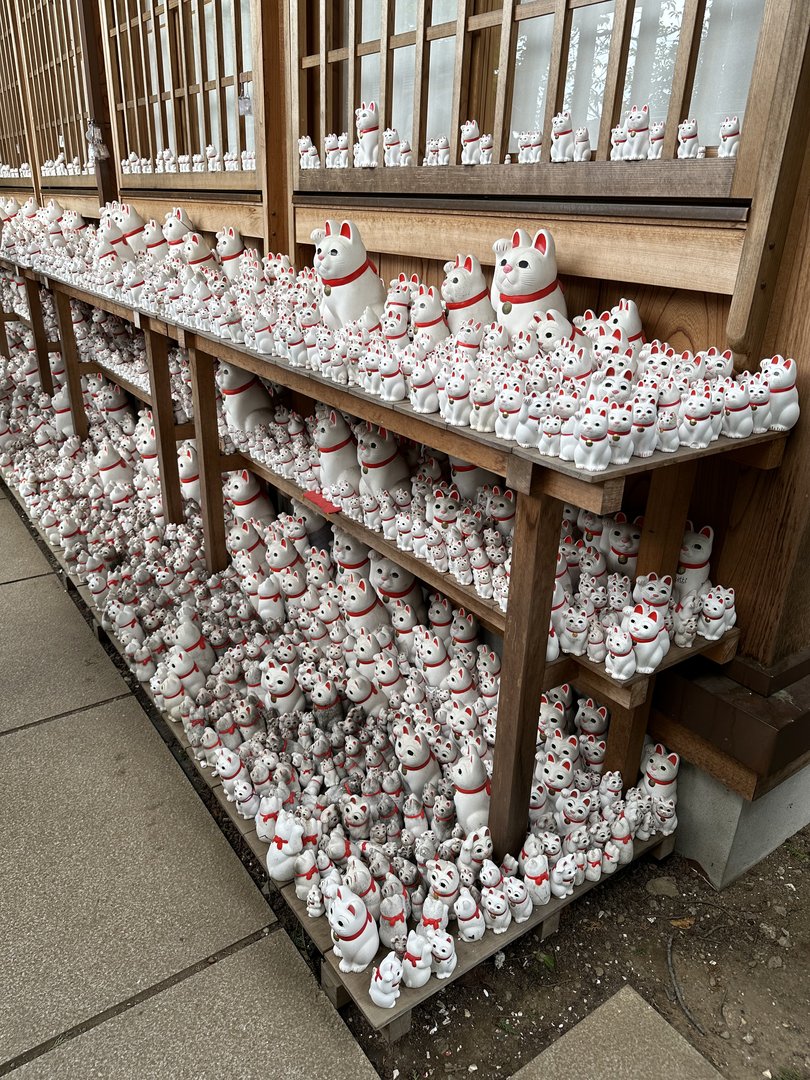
211,160
502,358
12,172
636,139
350,716
602,610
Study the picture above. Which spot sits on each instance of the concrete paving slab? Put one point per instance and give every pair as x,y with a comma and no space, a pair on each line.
115,876
50,661
623,1039
19,555
257,1013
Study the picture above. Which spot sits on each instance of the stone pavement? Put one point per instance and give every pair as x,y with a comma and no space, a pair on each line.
134,942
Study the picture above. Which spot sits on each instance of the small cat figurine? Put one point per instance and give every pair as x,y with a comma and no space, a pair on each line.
729,137
637,129
658,130
688,146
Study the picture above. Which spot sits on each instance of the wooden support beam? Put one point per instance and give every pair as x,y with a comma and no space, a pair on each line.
628,726
204,394
537,534
70,356
91,30
40,337
665,518
157,359
683,77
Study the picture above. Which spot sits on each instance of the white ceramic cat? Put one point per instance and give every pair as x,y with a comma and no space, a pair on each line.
593,450
617,141
465,292
729,137
367,124
385,981
354,932
246,402
781,377
658,130
417,963
659,773
648,632
693,562
470,143
582,145
695,427
717,613
350,280
688,145
471,924
525,279
637,130
620,662
391,147
562,137
738,419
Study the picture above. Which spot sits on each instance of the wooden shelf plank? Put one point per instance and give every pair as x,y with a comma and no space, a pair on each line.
710,178
465,596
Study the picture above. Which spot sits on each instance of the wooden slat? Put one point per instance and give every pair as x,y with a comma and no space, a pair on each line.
665,518
672,256
203,390
461,75
40,337
421,72
537,535
386,66
157,359
240,66
683,76
323,113
70,356
157,48
555,87
615,76
221,95
505,84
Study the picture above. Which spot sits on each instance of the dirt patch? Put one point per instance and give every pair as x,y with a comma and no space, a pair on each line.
741,959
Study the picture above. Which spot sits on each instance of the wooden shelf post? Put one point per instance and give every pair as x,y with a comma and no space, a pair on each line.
157,359
40,337
537,536
665,518
204,393
70,355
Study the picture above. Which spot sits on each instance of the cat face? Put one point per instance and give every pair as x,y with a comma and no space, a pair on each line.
687,129
340,251
525,264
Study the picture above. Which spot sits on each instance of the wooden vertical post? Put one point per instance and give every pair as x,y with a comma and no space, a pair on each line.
70,355
628,726
3,335
40,337
505,83
461,78
157,359
98,101
206,433
537,536
616,72
665,518
271,125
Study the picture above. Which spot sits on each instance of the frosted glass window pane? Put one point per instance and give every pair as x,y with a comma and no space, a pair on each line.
170,124
588,51
369,79
404,16
440,90
213,106
369,20
402,91
230,109
210,42
246,61
532,59
651,59
228,42
443,11
727,47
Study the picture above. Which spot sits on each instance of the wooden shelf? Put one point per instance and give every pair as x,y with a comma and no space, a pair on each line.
486,611
708,179
88,367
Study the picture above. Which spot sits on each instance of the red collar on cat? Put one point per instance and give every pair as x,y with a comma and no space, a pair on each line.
454,305
527,298
353,276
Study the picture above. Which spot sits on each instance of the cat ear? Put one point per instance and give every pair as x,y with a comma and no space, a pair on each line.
674,759
542,241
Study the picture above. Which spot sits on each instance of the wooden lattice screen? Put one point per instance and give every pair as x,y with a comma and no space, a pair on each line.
50,41
177,69
431,64
13,137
